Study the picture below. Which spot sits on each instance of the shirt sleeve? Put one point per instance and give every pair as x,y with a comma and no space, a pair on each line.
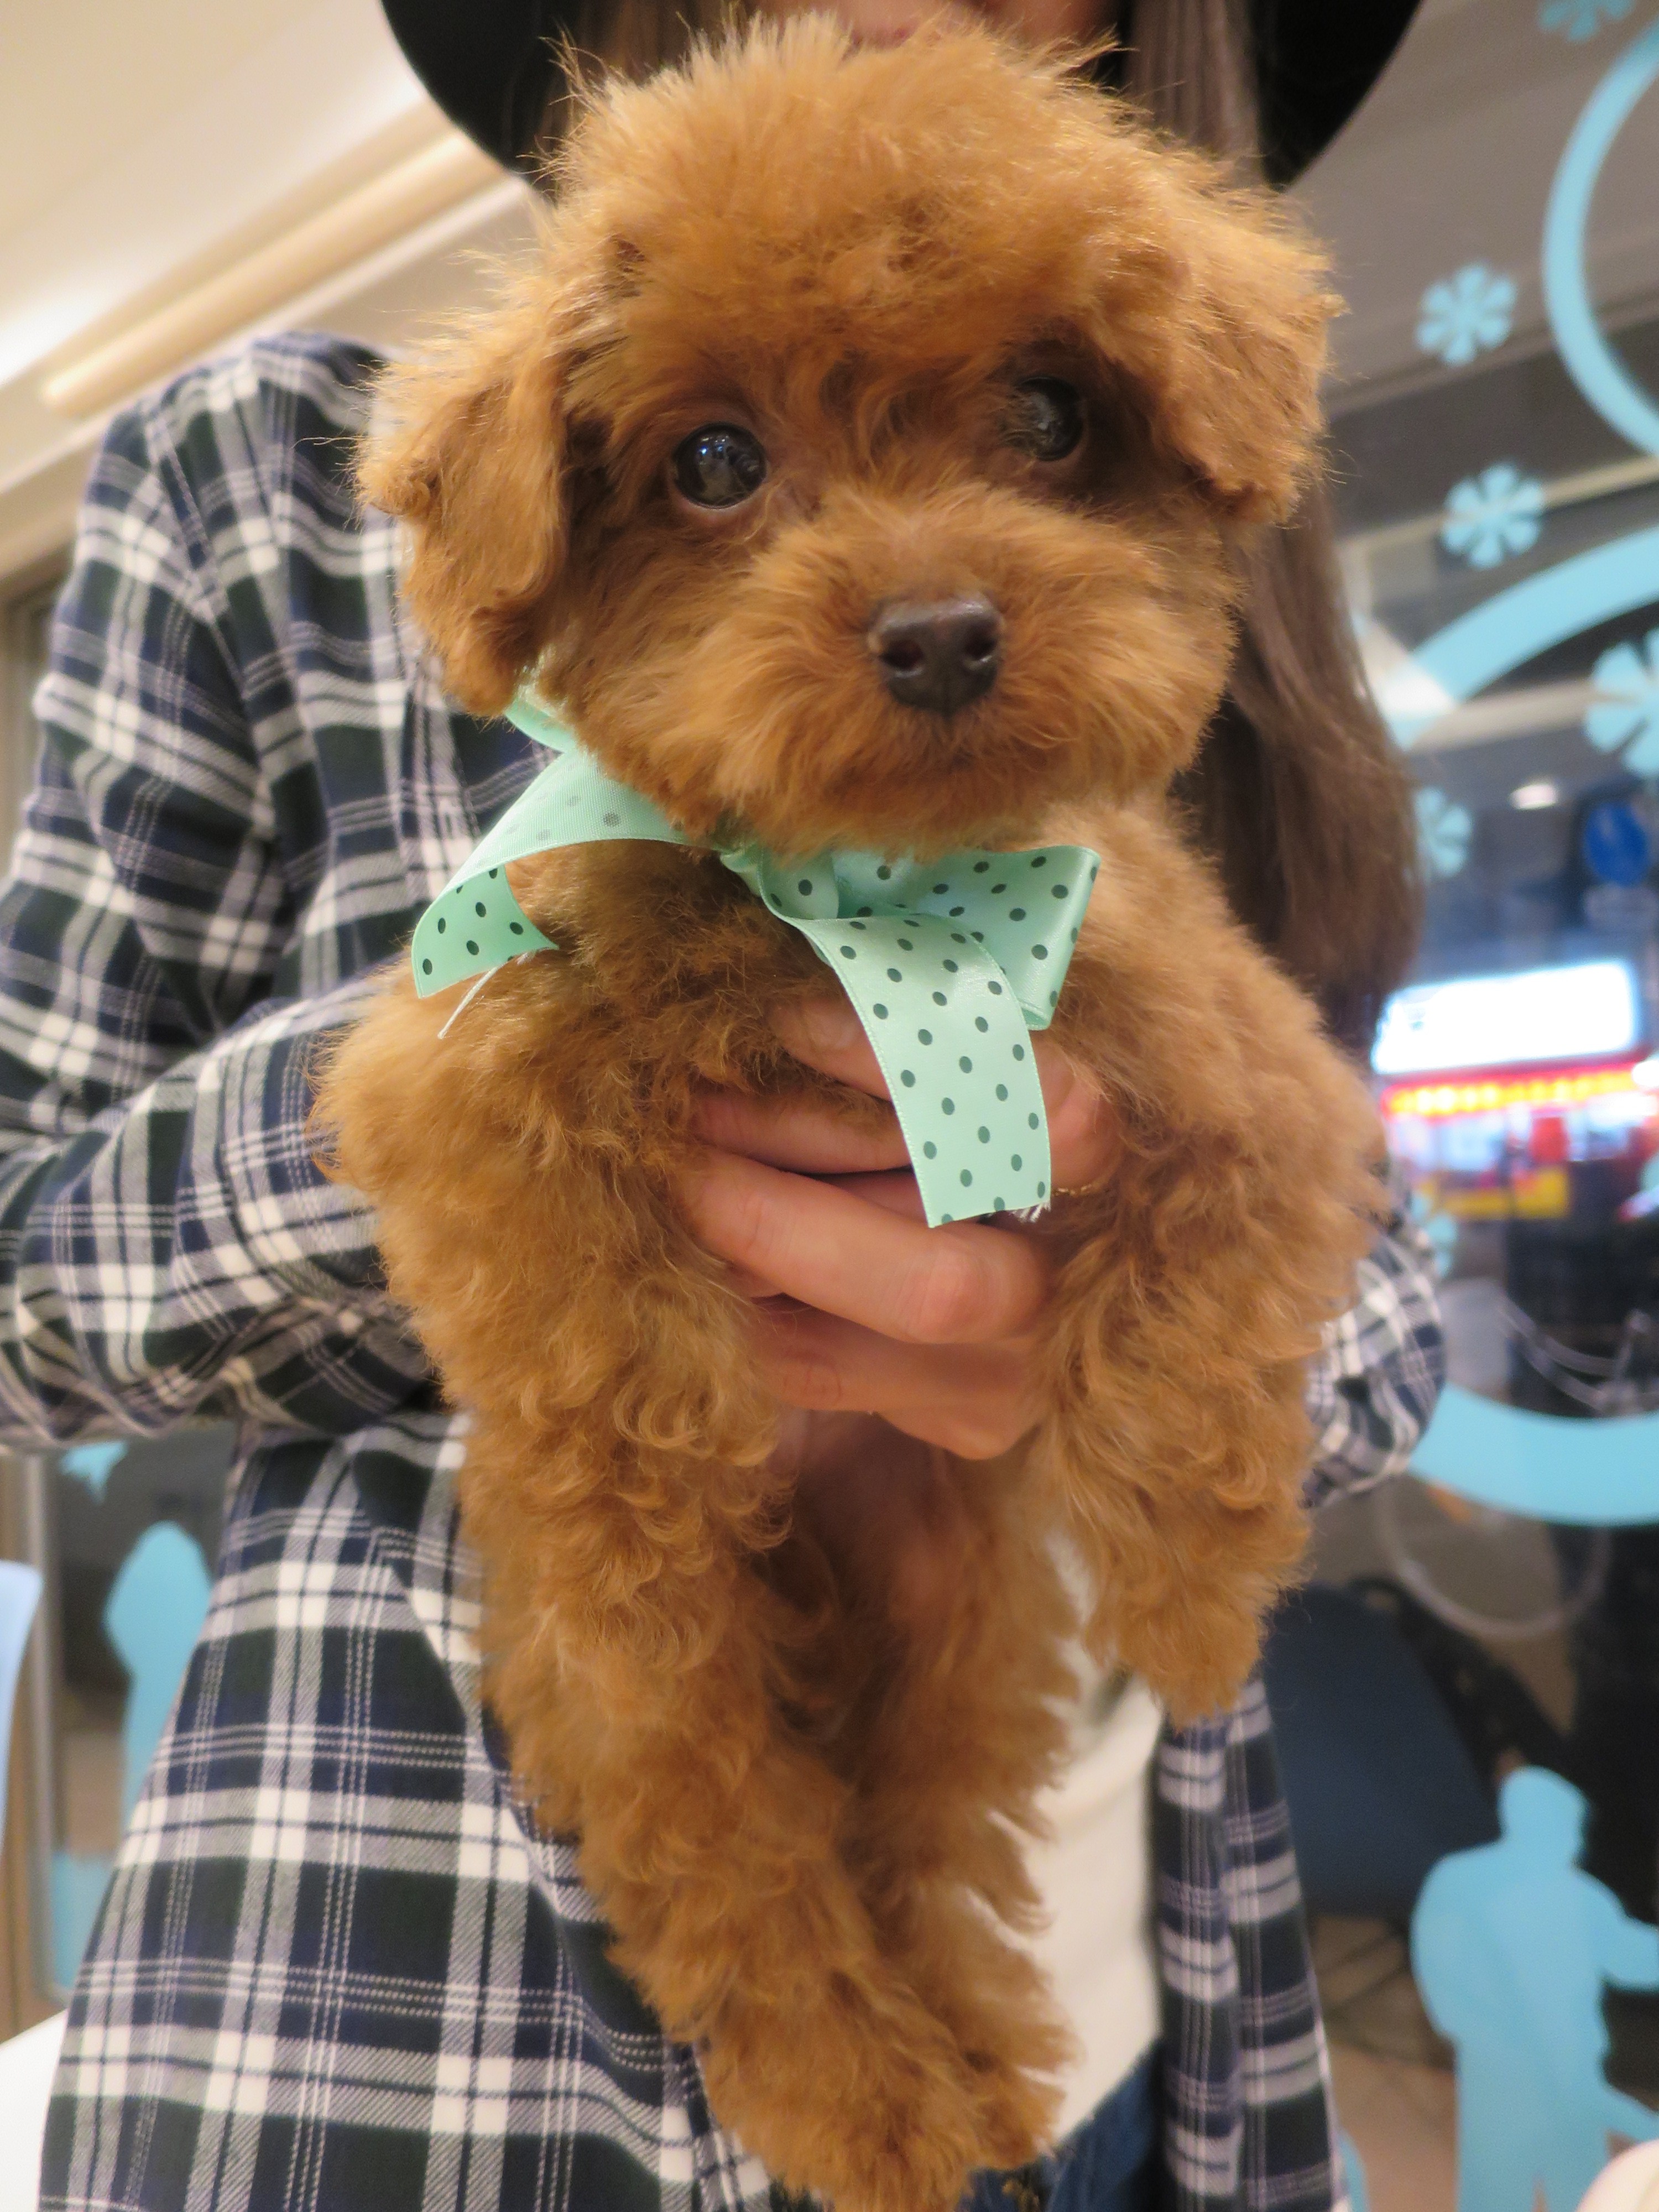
167,1245
1373,1388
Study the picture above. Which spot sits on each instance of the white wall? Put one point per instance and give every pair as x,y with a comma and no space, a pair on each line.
146,144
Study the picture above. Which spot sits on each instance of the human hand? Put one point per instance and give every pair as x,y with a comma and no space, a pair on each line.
861,1307
892,1344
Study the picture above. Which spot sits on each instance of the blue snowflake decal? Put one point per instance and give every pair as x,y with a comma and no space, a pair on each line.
1579,20
1491,516
1443,829
1469,311
1625,719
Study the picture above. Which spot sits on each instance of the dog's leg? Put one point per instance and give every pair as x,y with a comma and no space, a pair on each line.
1196,1280
960,1728
653,1719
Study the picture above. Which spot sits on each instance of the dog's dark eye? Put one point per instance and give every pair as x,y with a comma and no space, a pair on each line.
1044,418
719,465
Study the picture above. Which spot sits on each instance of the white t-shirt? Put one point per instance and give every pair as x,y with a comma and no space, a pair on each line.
1095,1881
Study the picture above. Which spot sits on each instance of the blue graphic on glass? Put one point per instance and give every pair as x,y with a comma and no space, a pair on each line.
93,1464
1511,1945
1467,313
1443,829
153,1617
1494,515
1353,2172
1512,626
1590,361
20,1593
1579,20
1625,718
1586,1474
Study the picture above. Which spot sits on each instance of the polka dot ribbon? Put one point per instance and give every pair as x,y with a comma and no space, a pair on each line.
949,963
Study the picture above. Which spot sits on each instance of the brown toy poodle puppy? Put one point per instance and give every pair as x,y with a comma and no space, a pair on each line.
978,337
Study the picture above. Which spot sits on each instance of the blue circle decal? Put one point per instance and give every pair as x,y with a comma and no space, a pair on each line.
1593,365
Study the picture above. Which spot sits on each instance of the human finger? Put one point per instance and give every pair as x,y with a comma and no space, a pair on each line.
804,1133
896,1192
1084,1142
833,1249
825,1034
975,1401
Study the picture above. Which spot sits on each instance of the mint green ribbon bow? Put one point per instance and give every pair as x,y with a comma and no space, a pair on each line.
949,963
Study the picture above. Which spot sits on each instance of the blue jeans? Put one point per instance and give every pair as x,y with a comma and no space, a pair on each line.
1109,2164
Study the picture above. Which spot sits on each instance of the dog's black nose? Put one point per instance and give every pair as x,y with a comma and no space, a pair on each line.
942,655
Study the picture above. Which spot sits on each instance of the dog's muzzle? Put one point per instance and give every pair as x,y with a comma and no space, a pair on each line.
941,655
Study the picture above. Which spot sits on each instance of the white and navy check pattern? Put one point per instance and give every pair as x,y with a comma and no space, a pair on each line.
335,1970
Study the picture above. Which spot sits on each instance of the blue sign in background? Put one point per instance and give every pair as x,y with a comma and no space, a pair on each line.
1615,845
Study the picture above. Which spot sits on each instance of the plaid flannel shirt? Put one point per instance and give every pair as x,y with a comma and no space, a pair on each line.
335,1969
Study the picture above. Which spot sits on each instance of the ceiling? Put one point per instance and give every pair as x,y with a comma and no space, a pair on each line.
83,81
132,138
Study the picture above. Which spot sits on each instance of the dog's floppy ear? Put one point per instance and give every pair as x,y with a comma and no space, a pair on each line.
1220,314
467,450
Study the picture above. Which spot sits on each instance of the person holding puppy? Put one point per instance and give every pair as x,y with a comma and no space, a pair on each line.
336,1965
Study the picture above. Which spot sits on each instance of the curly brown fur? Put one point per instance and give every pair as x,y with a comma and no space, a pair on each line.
801,1807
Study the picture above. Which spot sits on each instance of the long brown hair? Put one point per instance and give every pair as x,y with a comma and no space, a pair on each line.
1298,794
632,37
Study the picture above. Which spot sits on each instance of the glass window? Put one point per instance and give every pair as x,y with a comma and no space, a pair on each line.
1496,436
